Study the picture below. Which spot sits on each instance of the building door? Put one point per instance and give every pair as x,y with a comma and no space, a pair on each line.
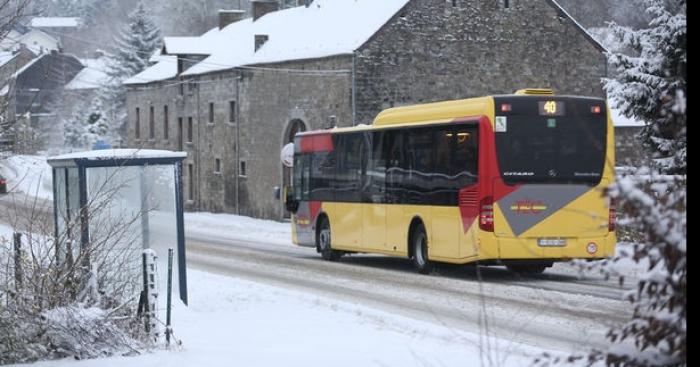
295,126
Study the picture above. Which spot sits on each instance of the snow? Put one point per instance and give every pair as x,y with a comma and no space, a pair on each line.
6,57
620,120
165,68
119,154
326,28
236,227
51,22
230,320
186,46
93,75
28,174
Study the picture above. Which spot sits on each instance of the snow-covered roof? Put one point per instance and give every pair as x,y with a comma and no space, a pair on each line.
185,45
57,22
92,76
6,57
326,28
111,154
165,68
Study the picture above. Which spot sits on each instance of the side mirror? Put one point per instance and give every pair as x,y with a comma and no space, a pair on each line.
289,203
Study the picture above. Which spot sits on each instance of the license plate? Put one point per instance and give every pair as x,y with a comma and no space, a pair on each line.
551,242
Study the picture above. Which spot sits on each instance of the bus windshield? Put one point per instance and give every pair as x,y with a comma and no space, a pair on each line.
568,146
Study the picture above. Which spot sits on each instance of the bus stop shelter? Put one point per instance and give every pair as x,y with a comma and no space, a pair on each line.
121,201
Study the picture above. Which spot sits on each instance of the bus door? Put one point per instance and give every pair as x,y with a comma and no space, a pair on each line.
455,171
374,194
352,161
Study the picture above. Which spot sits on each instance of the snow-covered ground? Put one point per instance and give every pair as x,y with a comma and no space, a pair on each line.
28,174
235,227
236,322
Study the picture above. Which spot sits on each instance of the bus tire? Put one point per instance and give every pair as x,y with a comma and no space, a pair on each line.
323,240
530,269
419,243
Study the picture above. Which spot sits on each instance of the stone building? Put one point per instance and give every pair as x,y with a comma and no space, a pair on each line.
233,97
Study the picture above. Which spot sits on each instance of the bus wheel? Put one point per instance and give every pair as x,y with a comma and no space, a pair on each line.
532,269
324,242
420,250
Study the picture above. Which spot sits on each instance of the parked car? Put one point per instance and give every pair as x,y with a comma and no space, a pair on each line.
3,185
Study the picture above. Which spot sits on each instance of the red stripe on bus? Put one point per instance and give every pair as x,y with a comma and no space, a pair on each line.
316,143
314,210
490,182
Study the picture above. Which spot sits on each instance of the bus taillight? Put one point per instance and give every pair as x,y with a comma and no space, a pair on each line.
612,217
486,214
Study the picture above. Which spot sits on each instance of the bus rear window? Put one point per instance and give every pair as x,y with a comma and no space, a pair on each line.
536,148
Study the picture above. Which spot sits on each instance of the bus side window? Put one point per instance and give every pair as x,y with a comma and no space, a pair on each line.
374,190
351,164
393,148
466,157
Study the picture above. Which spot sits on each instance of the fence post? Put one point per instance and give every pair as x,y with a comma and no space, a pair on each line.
168,330
144,294
18,261
150,292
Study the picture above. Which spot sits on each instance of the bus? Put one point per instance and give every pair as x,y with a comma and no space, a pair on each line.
516,180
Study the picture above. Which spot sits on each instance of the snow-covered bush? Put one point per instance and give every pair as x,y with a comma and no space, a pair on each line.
62,299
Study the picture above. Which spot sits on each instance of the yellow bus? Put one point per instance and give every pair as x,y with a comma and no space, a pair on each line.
516,180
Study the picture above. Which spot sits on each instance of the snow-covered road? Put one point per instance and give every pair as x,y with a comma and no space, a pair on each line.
552,312
556,311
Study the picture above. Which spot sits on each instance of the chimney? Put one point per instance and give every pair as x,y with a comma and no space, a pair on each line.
227,17
262,7
260,40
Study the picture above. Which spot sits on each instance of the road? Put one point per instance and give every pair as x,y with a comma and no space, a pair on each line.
557,310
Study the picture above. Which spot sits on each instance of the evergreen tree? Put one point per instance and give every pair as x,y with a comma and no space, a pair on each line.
86,125
96,123
651,85
137,41
135,44
74,129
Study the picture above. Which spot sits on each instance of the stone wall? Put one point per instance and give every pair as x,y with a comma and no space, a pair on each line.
628,147
273,99
267,99
436,50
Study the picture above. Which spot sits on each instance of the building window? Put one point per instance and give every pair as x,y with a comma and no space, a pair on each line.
191,86
217,165
190,181
180,136
152,123
166,128
211,113
137,127
182,88
189,129
506,4
243,170
232,111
